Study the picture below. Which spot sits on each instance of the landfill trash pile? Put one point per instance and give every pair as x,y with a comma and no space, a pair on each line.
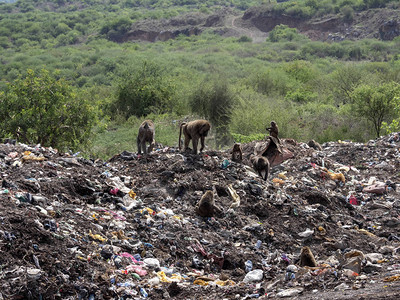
324,225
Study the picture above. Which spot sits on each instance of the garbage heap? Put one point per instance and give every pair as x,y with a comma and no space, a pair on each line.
326,222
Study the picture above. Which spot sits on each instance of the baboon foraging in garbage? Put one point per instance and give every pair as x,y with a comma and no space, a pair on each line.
307,258
237,153
206,206
145,135
273,130
194,131
261,165
315,145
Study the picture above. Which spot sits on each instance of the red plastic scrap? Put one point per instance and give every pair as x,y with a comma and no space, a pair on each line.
353,200
197,247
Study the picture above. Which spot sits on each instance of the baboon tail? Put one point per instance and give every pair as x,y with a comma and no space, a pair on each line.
180,134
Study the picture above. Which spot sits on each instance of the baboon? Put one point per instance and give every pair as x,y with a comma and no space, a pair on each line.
145,135
237,153
261,165
206,205
315,145
273,130
307,258
194,131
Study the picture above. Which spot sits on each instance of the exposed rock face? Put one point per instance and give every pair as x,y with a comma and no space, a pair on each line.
375,23
389,30
162,30
256,22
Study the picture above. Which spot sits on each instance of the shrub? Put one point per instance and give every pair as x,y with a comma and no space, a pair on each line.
239,138
245,39
42,109
143,91
300,70
282,33
300,96
348,13
116,28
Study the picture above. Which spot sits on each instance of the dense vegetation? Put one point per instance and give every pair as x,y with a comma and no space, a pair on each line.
311,89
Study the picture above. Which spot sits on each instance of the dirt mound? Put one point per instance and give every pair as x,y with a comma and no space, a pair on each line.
73,228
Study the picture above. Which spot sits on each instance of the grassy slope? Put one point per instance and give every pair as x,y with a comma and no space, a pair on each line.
91,61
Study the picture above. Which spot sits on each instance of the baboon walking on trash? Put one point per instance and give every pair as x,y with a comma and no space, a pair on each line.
261,165
194,131
145,135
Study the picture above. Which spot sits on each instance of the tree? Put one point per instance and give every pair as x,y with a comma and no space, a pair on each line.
143,91
345,80
39,108
377,104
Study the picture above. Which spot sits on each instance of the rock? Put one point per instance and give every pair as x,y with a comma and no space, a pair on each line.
342,287
374,257
389,30
386,250
307,233
371,268
290,292
353,264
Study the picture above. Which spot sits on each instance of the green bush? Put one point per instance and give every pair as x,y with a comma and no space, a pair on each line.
38,108
301,96
116,28
282,33
239,138
301,70
245,39
143,91
270,82
348,13
344,80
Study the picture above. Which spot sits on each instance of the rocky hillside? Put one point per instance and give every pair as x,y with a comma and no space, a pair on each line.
256,22
72,228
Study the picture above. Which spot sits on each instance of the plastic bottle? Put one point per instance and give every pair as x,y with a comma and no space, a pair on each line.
258,244
143,292
248,266
225,164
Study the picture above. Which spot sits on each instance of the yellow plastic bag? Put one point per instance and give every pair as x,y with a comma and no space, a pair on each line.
278,181
132,194
392,278
200,282
225,283
337,176
282,176
97,237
